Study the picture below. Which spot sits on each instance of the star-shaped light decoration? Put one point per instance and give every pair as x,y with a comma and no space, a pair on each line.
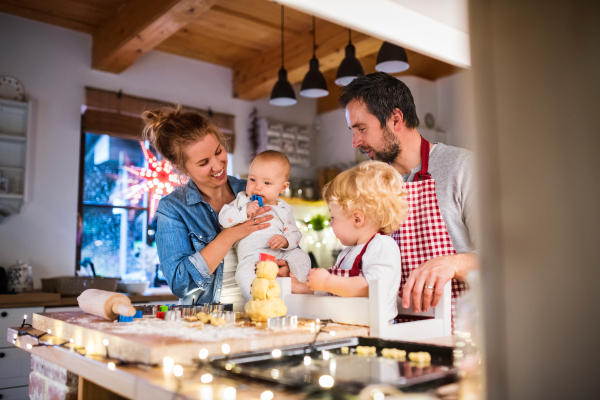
158,180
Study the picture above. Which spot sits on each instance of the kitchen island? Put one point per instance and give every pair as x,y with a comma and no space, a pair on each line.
82,368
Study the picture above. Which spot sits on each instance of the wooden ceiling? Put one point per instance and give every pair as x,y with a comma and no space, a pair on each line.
241,34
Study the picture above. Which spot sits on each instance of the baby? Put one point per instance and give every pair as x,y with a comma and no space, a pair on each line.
268,178
367,203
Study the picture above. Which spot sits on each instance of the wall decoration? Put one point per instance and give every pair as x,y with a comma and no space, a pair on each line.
291,139
158,180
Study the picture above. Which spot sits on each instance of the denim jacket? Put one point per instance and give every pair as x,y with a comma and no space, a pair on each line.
186,224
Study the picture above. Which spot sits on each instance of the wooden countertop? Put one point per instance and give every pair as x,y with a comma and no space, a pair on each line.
141,383
41,299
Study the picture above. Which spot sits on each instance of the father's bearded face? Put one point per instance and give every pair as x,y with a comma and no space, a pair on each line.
367,134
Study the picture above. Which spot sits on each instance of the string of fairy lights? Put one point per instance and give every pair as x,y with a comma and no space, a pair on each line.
171,369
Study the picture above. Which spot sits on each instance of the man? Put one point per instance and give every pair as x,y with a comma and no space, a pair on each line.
381,113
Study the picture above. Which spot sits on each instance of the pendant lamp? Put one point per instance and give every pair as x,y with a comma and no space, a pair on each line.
283,92
391,59
350,67
314,84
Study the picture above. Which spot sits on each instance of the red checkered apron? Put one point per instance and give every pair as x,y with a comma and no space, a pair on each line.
356,269
423,235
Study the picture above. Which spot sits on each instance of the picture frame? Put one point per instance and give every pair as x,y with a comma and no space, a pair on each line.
4,185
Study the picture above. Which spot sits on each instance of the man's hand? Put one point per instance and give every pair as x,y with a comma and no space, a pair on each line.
252,208
435,272
278,242
317,279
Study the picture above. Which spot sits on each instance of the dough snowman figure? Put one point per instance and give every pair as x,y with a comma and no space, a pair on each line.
265,302
268,178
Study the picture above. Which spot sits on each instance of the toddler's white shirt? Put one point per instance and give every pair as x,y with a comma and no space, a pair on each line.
381,262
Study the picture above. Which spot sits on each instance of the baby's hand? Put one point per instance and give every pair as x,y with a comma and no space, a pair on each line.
252,208
278,242
316,279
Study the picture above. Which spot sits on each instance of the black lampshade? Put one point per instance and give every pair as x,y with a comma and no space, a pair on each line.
391,59
314,84
350,67
283,92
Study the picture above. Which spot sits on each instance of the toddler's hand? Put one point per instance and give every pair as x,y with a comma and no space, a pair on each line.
252,208
278,242
316,279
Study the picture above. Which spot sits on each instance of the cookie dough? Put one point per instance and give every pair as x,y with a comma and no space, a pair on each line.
267,270
366,350
421,357
264,289
263,309
394,354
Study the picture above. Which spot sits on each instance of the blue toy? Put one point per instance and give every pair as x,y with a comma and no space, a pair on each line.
138,314
256,197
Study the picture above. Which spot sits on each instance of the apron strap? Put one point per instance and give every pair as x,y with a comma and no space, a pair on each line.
423,174
357,265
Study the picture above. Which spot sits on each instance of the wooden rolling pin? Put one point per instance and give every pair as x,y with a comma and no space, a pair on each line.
107,305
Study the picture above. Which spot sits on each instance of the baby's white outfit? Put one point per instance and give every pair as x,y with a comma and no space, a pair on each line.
248,249
381,261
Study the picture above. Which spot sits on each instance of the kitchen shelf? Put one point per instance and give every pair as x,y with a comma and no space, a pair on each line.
12,196
6,168
15,123
12,138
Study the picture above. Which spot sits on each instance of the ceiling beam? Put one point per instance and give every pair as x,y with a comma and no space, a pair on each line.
138,27
254,78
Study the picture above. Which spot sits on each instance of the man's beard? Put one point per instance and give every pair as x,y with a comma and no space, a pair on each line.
390,147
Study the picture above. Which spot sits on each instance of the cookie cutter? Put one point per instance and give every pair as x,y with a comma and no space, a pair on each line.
276,323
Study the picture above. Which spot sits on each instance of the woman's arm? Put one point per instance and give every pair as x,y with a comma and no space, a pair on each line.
320,280
184,268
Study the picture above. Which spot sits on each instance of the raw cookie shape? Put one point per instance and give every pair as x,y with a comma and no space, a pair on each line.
267,270
264,289
263,309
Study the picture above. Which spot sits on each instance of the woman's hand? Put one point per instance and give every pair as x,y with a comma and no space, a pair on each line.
252,225
284,268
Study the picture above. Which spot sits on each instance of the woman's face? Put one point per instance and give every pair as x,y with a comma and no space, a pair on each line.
207,162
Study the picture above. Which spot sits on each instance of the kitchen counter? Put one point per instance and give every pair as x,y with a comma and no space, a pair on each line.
42,299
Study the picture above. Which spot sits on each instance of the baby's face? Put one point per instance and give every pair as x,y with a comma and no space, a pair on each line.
266,179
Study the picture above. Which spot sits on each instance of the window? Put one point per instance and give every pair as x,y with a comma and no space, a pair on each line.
117,222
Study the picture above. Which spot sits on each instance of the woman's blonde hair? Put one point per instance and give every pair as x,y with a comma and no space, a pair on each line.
171,130
374,188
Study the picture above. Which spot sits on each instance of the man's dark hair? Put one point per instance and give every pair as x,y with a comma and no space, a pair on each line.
382,94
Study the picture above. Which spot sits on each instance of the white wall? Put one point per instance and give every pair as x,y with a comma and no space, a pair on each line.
54,65
449,99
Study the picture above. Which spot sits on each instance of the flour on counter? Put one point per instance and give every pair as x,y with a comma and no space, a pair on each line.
176,329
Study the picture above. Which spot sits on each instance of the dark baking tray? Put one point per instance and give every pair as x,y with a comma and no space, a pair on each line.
351,372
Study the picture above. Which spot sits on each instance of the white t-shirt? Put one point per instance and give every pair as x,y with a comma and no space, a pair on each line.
381,262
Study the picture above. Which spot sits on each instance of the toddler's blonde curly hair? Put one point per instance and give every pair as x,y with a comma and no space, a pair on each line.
374,188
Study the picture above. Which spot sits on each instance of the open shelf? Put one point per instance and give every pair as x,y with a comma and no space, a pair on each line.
12,138
6,168
11,196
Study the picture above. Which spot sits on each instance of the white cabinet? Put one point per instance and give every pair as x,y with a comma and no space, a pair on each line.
14,127
14,362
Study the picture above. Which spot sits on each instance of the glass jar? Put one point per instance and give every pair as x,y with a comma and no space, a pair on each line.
20,277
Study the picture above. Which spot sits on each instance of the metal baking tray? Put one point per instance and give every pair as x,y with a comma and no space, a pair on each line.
350,373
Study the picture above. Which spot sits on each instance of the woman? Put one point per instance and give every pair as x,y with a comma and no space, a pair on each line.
196,255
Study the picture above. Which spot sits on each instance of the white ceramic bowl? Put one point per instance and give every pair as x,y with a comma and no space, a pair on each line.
133,287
